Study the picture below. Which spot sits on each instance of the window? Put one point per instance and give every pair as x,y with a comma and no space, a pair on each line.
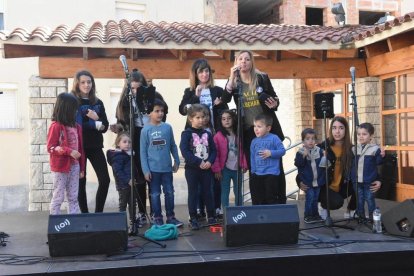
314,16
369,17
8,107
398,123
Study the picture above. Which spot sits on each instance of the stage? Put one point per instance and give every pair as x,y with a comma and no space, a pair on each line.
318,252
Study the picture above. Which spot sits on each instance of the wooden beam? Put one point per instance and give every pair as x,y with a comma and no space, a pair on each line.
17,51
346,53
51,67
180,54
302,53
319,55
401,41
376,49
313,85
391,62
263,54
85,53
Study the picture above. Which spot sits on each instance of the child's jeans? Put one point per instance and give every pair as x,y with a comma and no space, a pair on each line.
164,179
365,194
311,201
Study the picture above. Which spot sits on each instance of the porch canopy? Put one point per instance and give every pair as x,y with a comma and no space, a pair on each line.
167,50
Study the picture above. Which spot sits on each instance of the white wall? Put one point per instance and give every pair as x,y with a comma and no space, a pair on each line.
407,6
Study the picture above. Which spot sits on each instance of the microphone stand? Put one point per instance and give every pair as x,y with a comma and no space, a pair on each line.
240,115
133,224
355,126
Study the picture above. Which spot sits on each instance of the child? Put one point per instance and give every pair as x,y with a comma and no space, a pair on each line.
265,153
67,159
198,149
226,165
157,146
120,160
368,159
201,207
308,160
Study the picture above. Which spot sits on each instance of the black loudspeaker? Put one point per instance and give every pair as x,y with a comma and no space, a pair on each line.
261,224
323,102
87,234
400,219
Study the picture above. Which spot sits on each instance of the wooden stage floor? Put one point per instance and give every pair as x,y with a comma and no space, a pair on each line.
318,252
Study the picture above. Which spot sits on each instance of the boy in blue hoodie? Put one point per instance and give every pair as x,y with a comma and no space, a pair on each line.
265,153
156,147
308,161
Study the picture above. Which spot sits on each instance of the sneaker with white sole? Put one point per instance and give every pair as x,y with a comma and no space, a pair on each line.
349,214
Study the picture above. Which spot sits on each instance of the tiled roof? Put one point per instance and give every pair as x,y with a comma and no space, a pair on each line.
164,33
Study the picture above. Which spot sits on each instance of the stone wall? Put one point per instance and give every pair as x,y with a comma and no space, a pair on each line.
42,97
303,108
368,95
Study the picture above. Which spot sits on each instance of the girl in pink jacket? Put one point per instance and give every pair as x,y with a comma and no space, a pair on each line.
226,163
67,159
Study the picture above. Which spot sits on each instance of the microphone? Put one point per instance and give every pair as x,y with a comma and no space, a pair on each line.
352,70
123,60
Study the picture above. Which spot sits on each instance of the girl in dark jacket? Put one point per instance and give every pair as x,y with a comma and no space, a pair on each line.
92,117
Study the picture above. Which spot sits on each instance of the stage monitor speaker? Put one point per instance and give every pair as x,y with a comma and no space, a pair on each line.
261,224
87,234
323,102
400,219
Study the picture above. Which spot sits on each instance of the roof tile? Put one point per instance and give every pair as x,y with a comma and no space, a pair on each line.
163,32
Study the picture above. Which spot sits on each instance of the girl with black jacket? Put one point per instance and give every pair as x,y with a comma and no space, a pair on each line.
92,117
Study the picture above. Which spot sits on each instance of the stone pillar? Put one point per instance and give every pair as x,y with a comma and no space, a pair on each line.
42,97
368,94
303,108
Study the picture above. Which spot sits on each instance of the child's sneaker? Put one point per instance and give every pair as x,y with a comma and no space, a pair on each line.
308,219
142,220
201,217
158,221
219,214
174,221
133,229
211,221
194,224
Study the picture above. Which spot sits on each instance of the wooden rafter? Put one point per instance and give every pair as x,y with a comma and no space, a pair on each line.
376,49
50,67
391,62
314,85
180,54
400,41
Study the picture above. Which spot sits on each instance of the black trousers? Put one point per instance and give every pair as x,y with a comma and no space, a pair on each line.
264,189
336,199
97,158
125,200
248,136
